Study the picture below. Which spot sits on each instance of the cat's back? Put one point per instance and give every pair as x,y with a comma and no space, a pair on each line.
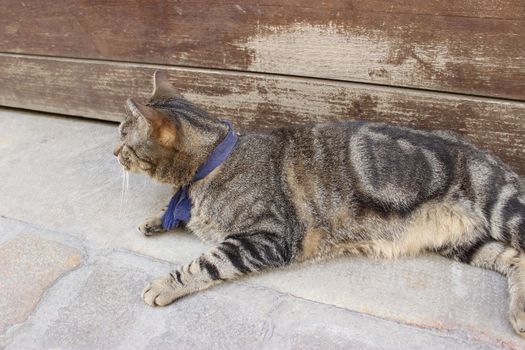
386,165
364,143
379,143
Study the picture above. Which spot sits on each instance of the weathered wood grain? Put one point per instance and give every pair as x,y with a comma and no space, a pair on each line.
257,101
472,47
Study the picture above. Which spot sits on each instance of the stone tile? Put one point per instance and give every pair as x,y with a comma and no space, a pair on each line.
29,266
430,292
98,307
298,324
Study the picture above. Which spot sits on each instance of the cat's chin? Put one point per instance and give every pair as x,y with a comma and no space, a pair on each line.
135,169
130,169
149,172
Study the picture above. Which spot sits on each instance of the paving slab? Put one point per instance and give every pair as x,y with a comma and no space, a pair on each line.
97,307
59,181
429,292
29,266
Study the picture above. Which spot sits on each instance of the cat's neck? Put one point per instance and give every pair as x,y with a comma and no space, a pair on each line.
199,145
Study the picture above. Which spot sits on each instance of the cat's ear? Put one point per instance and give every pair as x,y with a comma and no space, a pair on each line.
155,123
162,87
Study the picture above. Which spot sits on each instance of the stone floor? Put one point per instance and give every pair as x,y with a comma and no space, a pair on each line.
72,266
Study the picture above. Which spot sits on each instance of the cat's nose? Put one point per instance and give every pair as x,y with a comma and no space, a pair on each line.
117,149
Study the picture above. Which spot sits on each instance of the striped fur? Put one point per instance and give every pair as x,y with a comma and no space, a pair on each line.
318,191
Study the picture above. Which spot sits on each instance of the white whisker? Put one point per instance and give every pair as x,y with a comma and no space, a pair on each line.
123,191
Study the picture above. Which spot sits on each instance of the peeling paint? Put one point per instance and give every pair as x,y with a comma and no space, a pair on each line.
343,53
465,47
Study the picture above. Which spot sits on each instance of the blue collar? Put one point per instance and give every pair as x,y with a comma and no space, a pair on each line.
179,208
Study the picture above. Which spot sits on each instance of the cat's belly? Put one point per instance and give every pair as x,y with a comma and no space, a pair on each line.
432,226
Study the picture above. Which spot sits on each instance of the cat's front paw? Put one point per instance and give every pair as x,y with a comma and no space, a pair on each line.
162,291
151,226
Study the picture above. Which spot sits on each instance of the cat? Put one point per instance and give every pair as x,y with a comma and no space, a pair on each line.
312,192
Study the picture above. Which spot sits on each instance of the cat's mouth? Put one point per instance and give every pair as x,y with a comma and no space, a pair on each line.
129,160
123,157
122,164
127,168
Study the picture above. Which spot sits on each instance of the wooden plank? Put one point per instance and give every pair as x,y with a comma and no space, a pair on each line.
472,47
257,101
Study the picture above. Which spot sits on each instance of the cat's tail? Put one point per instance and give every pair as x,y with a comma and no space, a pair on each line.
506,216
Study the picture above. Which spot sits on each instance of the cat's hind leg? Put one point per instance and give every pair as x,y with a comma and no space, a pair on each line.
508,261
511,263
236,256
506,216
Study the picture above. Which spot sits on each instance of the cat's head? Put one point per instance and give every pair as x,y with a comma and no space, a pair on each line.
168,137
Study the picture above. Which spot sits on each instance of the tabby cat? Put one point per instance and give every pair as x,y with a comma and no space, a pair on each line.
309,192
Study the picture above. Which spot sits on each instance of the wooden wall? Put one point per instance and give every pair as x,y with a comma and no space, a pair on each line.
442,64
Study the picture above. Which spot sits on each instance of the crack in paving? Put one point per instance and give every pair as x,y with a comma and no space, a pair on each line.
268,325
